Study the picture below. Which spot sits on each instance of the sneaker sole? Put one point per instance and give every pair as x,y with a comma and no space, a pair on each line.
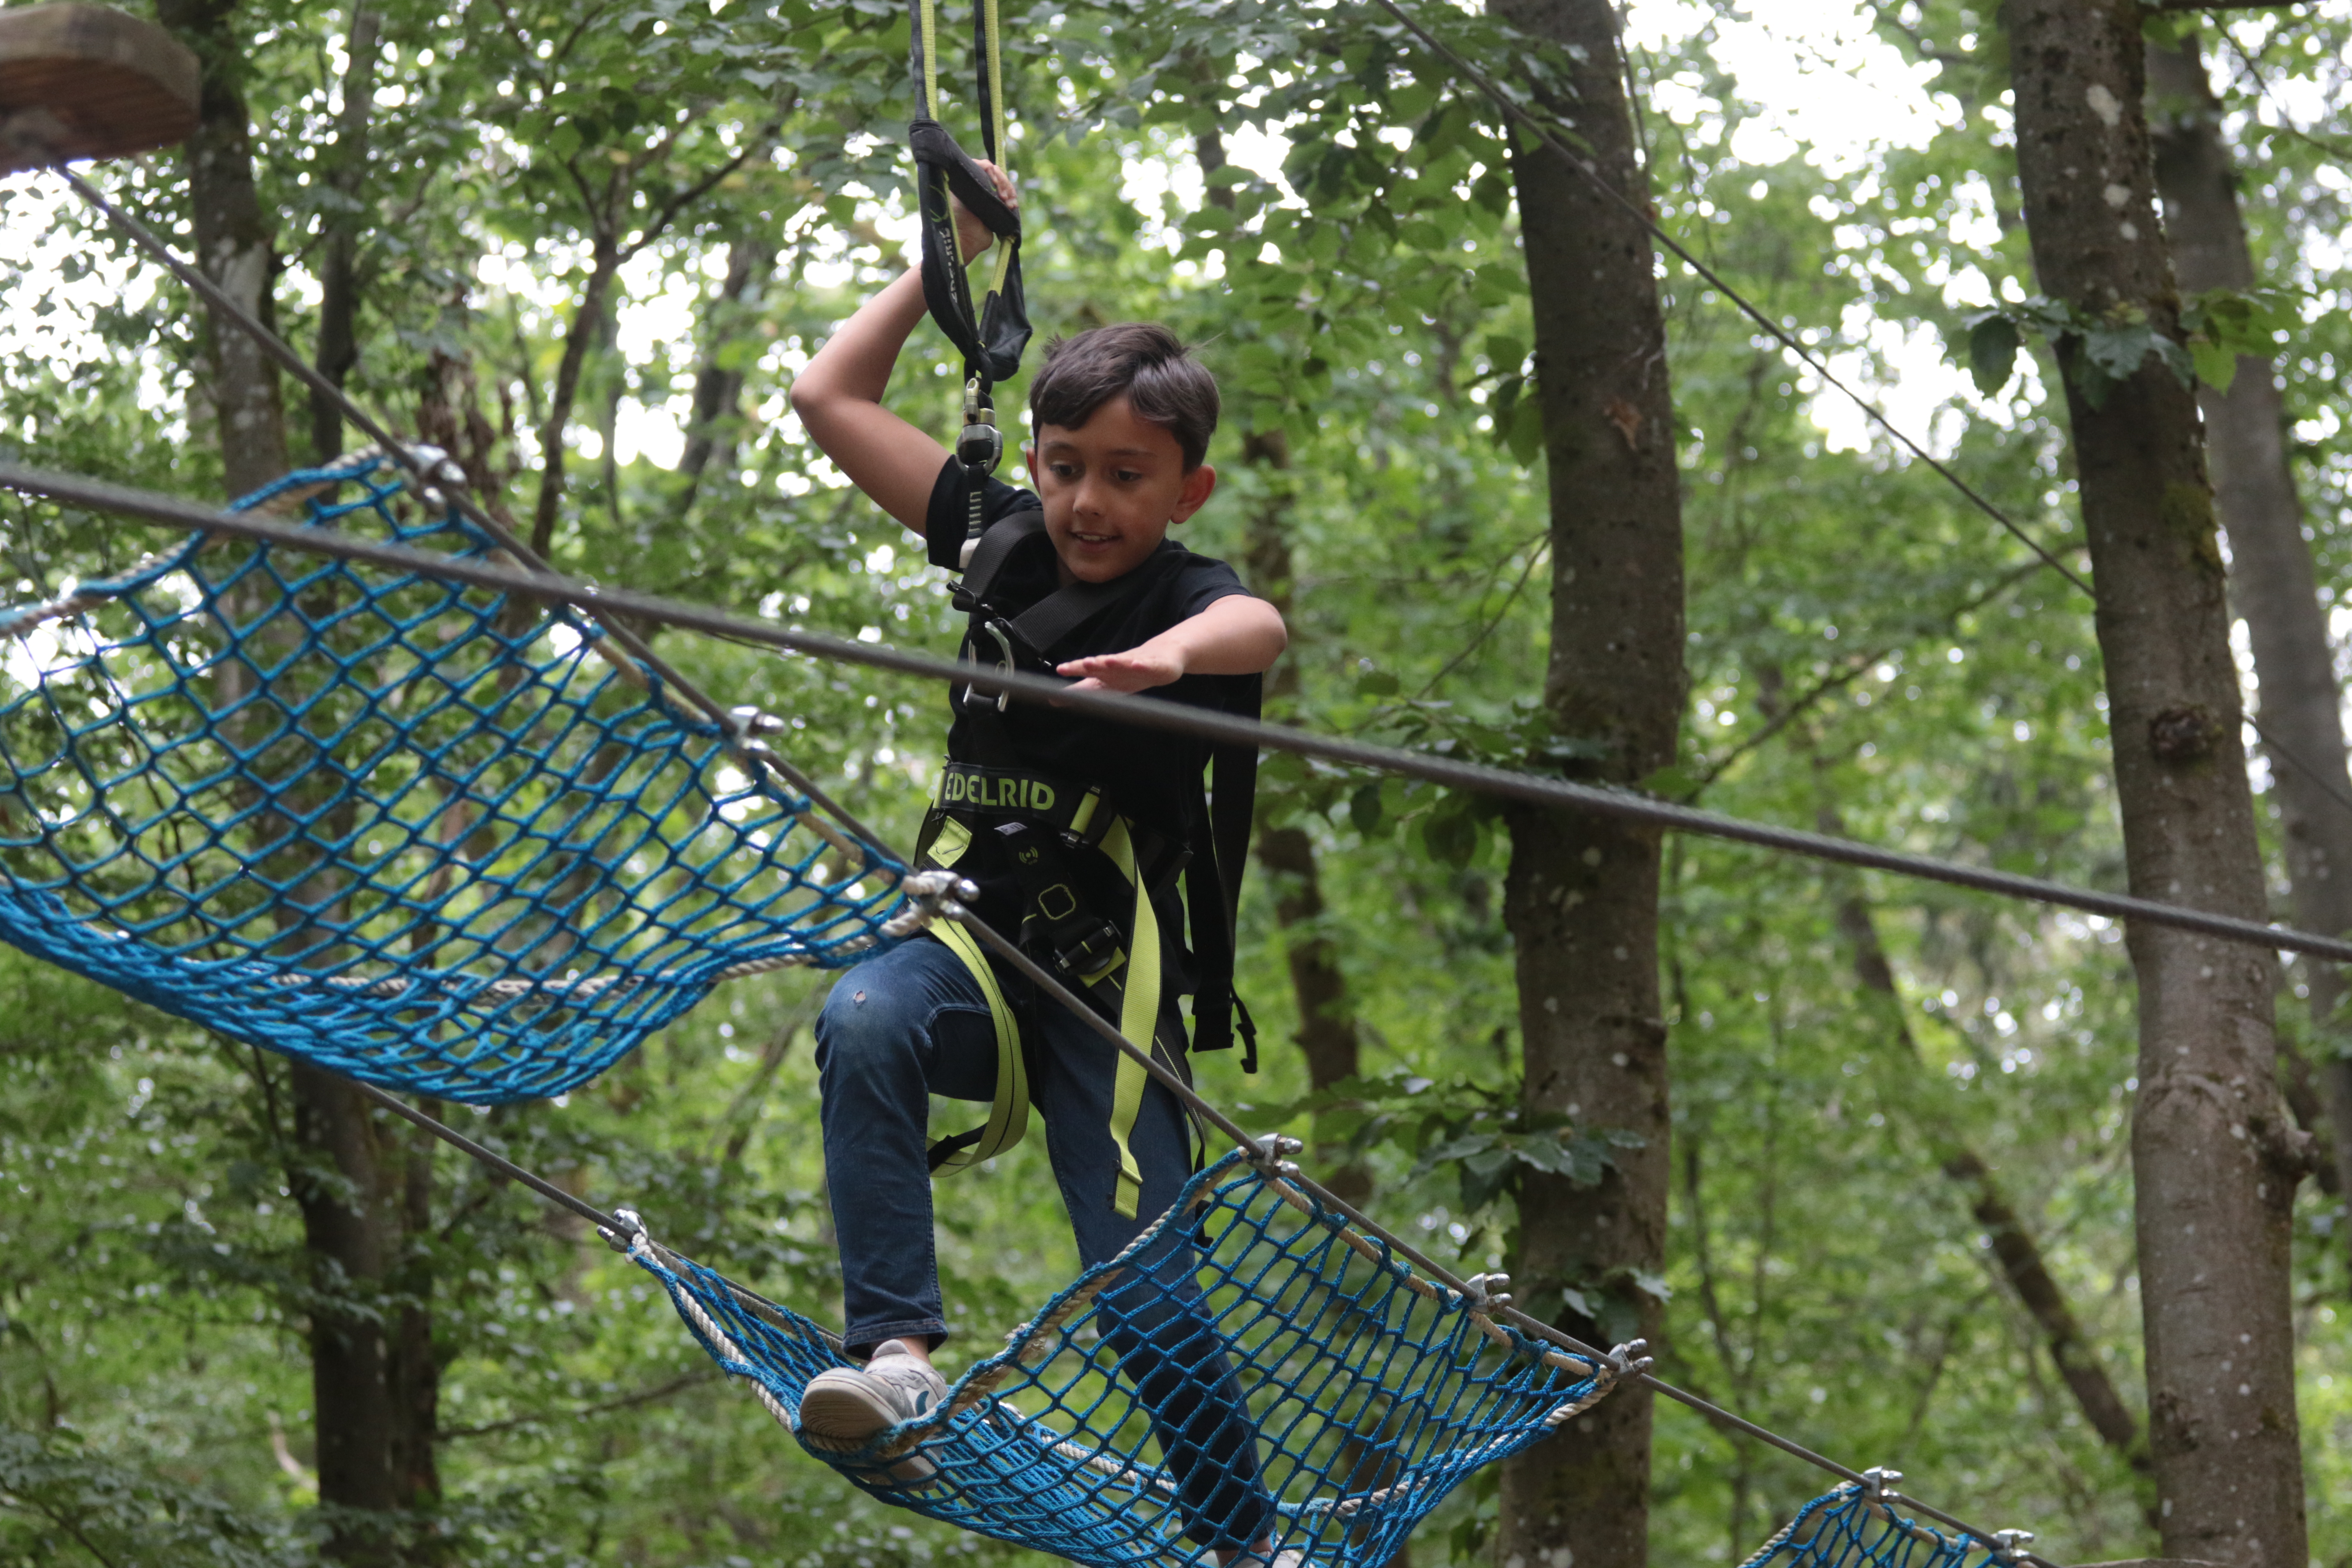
844,1419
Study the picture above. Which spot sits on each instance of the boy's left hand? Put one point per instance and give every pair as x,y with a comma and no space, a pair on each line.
1137,669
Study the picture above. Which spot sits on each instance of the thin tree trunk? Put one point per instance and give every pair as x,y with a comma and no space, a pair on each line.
234,247
718,386
345,1230
339,290
2215,1155
351,1222
2015,1249
587,319
1327,1018
1582,896
2272,582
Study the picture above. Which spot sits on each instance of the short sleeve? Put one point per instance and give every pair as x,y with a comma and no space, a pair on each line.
1201,582
944,527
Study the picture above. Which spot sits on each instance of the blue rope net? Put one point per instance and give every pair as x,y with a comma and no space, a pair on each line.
1253,1368
411,831
1854,1528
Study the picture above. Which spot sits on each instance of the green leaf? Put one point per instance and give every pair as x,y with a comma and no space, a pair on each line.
2217,367
1364,810
1993,344
1526,432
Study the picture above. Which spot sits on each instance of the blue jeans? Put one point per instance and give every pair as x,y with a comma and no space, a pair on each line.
912,1023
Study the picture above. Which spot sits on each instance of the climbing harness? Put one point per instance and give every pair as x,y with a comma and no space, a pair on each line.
429,838
1089,875
991,335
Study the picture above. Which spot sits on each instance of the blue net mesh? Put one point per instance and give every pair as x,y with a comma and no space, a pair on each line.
417,833
1850,1527
1252,1368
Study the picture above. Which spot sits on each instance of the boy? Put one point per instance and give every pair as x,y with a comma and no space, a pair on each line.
1076,831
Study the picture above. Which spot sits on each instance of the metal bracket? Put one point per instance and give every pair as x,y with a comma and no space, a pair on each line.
2009,1545
618,1242
1487,1292
1878,1483
1630,1359
1272,1152
434,468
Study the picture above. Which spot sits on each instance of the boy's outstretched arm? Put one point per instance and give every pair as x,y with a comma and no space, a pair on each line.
1237,636
839,396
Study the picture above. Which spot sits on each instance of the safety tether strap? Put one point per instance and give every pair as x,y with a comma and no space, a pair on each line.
992,336
944,844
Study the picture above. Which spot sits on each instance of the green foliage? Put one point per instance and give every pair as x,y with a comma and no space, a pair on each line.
2216,328
1859,639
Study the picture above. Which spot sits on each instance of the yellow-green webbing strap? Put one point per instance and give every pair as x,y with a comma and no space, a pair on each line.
1139,1018
1008,1114
927,59
927,96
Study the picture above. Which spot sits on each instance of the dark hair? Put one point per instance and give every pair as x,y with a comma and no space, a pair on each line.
1163,383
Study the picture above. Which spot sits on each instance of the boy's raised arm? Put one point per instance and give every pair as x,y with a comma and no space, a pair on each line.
839,396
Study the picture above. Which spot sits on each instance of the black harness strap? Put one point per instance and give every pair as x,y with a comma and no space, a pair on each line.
1221,840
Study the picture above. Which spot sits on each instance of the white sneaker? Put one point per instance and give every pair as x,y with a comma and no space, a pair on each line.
842,1410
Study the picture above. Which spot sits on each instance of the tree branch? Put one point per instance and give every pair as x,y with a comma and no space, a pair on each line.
627,1402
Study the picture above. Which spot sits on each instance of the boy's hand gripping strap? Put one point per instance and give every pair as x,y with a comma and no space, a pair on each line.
992,336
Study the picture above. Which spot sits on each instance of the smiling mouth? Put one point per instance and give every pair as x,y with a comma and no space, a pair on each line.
1093,537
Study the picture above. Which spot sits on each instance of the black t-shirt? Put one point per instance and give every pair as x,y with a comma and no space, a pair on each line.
1151,776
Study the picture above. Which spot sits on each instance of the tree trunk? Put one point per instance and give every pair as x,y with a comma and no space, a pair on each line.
339,288
718,387
587,321
372,1418
1582,896
1327,1018
2215,1157
344,1228
234,245
2273,585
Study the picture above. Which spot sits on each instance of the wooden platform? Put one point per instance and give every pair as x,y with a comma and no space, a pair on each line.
82,81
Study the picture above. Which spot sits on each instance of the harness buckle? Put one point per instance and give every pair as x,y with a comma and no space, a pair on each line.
972,701
1088,952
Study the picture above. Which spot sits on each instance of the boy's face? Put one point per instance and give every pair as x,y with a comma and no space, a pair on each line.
1111,489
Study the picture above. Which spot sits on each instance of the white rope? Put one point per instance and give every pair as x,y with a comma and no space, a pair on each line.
731,1359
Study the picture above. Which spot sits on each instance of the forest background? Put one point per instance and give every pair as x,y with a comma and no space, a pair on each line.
614,230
